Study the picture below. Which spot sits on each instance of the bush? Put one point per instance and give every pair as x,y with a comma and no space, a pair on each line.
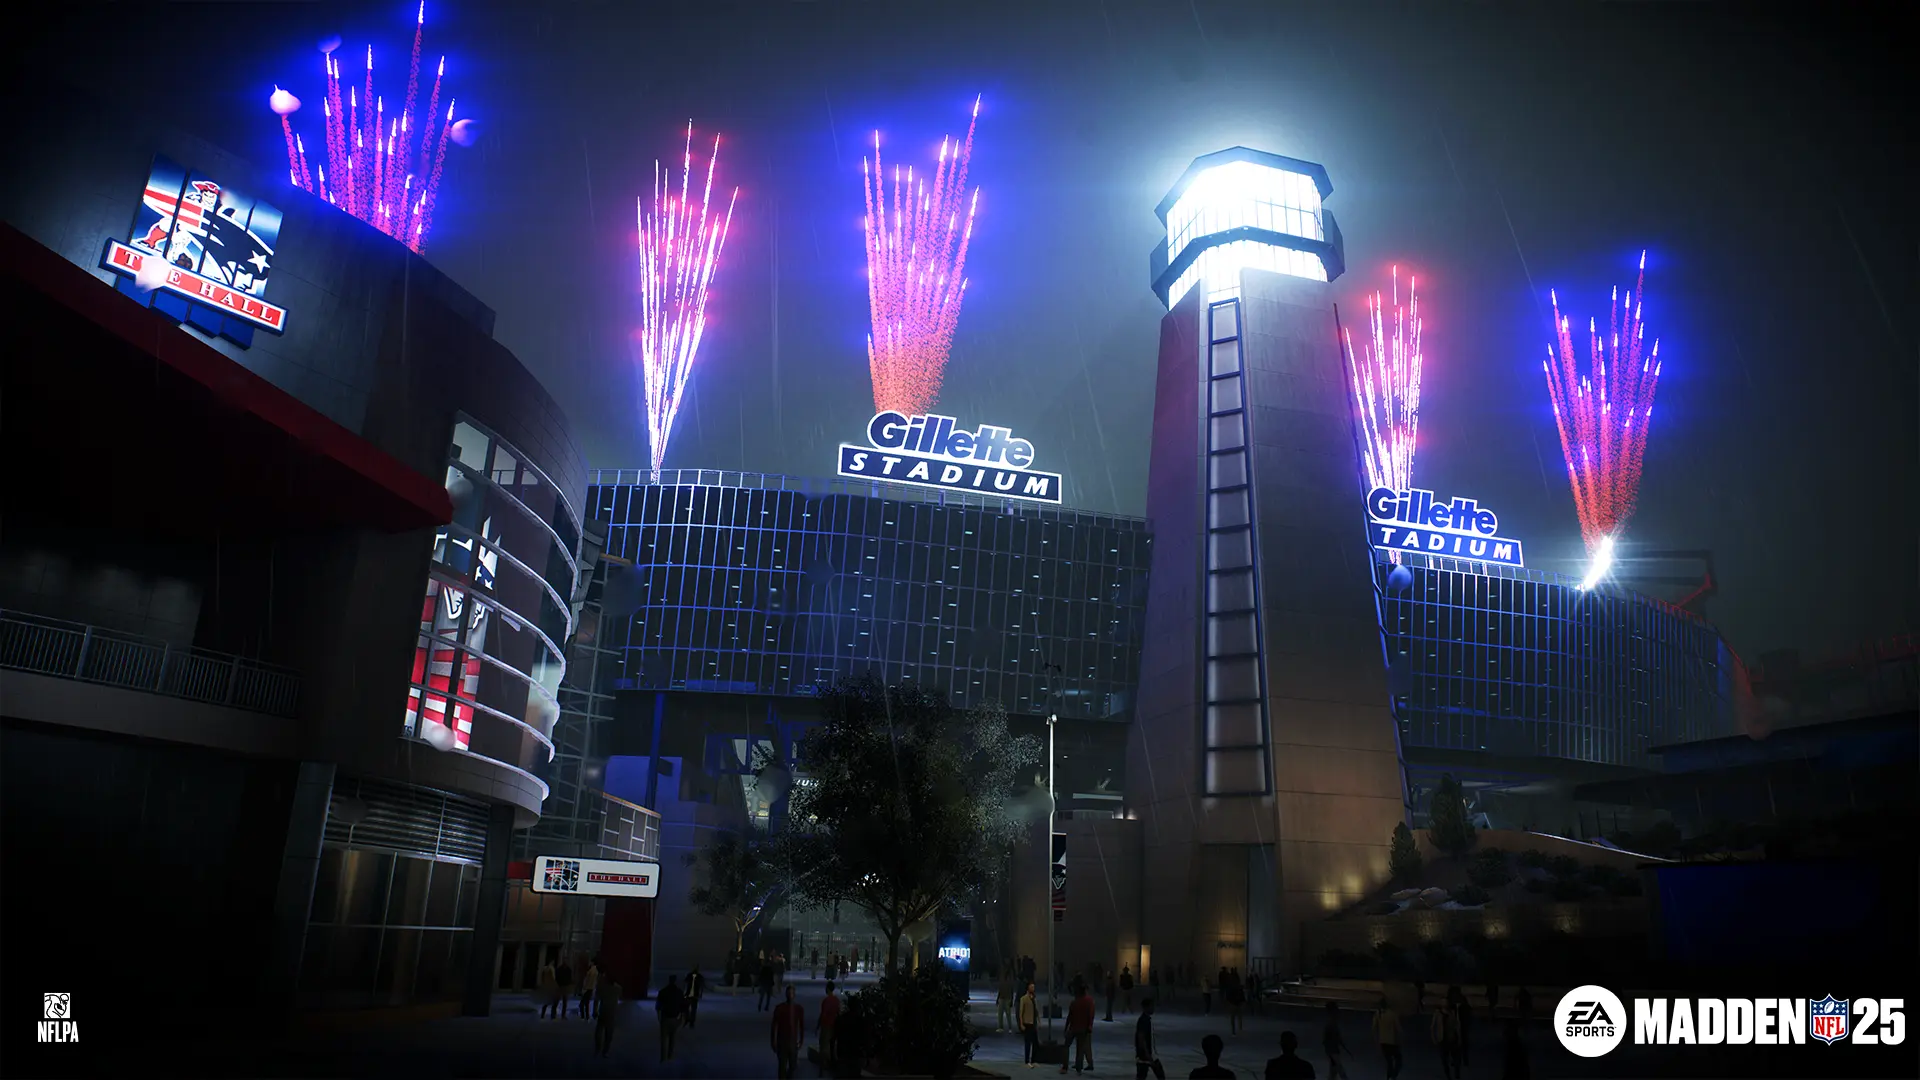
1489,869
1471,896
1603,877
1536,885
917,1023
1451,826
1563,866
1625,885
1392,956
1569,889
1403,858
1342,960
1533,860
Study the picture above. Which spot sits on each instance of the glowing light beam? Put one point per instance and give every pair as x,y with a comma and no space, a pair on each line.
680,245
916,271
383,169
1603,413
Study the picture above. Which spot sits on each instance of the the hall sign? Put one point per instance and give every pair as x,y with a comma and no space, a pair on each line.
933,452
595,877
1416,521
200,252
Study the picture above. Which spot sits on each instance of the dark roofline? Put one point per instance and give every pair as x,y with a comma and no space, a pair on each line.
1241,153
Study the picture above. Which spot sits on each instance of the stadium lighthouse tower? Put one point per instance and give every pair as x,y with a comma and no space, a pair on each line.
1265,763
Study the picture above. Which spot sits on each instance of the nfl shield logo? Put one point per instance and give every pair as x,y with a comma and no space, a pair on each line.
1827,1019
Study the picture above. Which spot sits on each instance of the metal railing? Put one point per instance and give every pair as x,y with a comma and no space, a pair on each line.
871,489
70,650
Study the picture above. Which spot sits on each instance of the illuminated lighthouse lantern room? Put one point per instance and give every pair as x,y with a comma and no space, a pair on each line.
1245,209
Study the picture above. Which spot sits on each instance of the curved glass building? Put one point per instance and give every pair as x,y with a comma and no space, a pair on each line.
498,610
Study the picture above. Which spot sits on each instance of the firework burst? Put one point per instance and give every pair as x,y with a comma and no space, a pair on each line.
916,263
1603,413
1386,388
680,243
383,168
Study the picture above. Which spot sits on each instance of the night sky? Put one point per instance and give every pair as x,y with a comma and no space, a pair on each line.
1494,150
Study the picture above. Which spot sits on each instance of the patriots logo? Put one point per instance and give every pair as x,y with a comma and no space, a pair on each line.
218,244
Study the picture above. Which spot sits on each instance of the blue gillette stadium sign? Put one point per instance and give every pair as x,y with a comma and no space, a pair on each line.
1416,521
932,452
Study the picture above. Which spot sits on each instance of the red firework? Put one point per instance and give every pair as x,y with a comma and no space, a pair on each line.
1603,413
916,261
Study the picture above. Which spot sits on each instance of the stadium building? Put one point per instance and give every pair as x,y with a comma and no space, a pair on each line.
736,596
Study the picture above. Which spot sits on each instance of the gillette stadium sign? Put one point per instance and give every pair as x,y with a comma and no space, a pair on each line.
933,452
1414,520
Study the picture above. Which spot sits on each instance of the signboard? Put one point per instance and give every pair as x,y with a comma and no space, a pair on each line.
955,944
1059,877
1414,520
200,252
933,452
595,877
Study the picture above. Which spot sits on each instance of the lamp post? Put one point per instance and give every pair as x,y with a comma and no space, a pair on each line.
1053,804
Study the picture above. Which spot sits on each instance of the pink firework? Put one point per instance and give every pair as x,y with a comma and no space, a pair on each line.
680,243
1603,413
1386,388
382,168
916,263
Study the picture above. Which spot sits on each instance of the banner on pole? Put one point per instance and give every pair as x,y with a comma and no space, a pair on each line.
1059,876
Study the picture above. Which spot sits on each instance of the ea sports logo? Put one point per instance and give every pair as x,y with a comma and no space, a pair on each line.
1590,1021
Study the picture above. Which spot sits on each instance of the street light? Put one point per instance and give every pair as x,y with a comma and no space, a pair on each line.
1053,804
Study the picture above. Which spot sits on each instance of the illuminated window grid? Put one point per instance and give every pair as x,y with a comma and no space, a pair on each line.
1237,194
756,590
1520,663
1238,754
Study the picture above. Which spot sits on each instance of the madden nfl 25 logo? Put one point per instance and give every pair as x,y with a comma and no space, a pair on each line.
1592,1020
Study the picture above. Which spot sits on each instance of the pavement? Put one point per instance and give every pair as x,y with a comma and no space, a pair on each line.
731,1040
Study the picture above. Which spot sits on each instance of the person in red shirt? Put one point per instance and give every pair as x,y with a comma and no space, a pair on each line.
789,1028
829,1013
1080,1028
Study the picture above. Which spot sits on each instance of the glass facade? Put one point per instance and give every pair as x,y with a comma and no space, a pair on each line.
1237,194
497,612
395,898
777,586
1521,663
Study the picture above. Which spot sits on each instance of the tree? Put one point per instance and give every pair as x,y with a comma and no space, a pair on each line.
1448,824
1489,869
742,879
1403,861
901,805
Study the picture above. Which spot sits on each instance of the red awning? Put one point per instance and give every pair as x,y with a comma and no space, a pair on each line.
115,413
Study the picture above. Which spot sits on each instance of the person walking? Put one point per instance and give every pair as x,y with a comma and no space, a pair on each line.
1514,1065
606,1017
1003,1001
765,985
789,1031
1464,1010
1523,1002
587,983
829,1019
671,1005
1080,1029
1153,981
813,964
1386,1032
1236,1003
1212,1046
1334,1043
1289,1065
1113,991
1030,1024
1126,988
1254,986
1144,1057
1206,997
1445,1031
546,988
563,978
696,989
